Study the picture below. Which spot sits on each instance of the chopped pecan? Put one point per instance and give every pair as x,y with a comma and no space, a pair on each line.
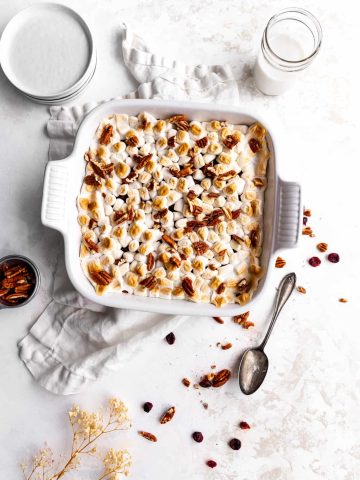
307,231
213,195
131,213
177,118
143,161
14,297
254,237
280,262
230,141
91,180
221,288
242,318
221,378
15,271
101,277
106,134
254,145
186,382
218,320
170,241
226,346
243,286
175,261
171,142
132,141
237,239
236,213
90,244
130,178
120,217
193,224
191,195
149,282
307,212
168,415
92,223
23,288
200,247
258,182
102,170
188,286
150,262
149,436
184,172
160,214
3,291
202,142
301,289
227,175
208,170
322,247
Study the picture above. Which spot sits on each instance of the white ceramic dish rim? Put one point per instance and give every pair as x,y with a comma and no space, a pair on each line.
63,179
5,39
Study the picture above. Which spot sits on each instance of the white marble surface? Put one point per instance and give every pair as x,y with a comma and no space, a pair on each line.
305,419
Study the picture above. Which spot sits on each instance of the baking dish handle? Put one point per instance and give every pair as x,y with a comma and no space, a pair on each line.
55,194
289,215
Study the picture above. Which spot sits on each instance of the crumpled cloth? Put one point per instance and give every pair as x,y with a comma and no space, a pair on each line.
75,341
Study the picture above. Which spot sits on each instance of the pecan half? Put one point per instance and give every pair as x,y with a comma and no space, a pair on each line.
120,217
177,118
322,247
237,239
186,382
202,142
149,436
149,282
101,277
200,247
221,378
175,261
170,241
193,224
168,415
188,286
132,141
130,178
150,261
213,195
106,134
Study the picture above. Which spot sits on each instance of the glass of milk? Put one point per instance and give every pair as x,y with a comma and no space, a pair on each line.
290,42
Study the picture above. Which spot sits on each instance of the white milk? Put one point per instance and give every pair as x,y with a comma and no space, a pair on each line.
271,80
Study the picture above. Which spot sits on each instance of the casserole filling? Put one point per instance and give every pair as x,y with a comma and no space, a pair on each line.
173,208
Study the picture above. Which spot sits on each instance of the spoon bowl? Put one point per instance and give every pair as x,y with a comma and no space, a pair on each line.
254,362
253,369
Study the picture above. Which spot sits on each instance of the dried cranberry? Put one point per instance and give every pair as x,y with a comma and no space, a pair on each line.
170,338
211,463
205,384
147,407
244,426
198,437
314,261
305,220
235,444
333,257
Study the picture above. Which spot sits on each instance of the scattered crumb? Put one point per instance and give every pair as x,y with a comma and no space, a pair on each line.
307,231
218,319
205,405
196,385
226,346
301,289
213,366
186,382
307,212
343,300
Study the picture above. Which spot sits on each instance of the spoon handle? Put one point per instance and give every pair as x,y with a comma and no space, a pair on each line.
285,289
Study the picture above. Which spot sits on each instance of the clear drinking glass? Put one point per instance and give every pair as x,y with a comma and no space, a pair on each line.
290,42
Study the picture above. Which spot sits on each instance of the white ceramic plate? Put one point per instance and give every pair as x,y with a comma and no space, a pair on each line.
63,180
47,51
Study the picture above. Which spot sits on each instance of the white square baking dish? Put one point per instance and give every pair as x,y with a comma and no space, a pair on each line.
63,180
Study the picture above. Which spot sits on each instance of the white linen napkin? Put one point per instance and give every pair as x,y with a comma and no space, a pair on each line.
75,342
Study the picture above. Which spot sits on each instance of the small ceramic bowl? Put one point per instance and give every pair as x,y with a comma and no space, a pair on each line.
32,272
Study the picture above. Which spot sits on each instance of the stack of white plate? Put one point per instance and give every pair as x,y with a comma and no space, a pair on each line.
47,52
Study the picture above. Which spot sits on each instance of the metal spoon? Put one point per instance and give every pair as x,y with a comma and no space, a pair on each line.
254,362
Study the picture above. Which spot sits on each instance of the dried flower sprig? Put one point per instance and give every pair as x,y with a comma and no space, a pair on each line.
87,428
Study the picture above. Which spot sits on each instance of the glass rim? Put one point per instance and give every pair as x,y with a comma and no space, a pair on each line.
318,28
